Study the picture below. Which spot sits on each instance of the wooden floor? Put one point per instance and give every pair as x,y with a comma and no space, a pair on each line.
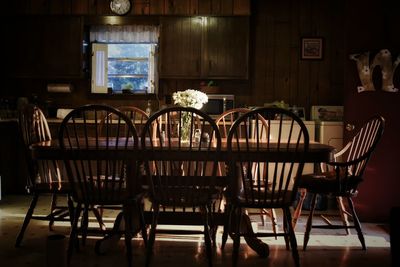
327,248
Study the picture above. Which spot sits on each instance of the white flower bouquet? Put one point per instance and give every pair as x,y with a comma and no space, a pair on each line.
190,98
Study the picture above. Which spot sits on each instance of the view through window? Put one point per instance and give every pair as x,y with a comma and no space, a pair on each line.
128,67
124,59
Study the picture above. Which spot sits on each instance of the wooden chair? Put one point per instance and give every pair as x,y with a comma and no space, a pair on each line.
224,122
274,184
344,177
99,171
44,176
138,118
182,176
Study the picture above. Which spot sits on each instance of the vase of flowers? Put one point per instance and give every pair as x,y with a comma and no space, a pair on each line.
185,129
188,98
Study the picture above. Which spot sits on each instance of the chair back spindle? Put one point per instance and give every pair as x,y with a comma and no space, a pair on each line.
97,166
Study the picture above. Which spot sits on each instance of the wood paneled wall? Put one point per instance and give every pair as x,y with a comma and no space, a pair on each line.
139,7
276,71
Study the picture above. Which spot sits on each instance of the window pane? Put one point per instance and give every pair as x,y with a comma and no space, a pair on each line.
119,83
128,50
128,67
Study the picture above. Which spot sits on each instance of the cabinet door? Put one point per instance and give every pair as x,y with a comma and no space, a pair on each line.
180,45
226,46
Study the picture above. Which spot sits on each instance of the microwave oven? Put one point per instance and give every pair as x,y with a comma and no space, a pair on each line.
218,104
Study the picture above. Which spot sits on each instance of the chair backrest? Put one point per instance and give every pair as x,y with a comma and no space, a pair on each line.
225,122
33,125
226,119
264,168
99,167
362,145
33,128
181,173
135,114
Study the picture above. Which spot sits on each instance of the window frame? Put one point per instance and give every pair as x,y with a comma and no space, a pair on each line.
151,75
96,32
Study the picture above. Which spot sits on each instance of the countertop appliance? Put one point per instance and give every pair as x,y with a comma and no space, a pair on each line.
330,133
328,125
218,104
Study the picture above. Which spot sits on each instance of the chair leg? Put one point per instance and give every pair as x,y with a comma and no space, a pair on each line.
272,214
262,213
27,219
152,235
357,223
213,232
73,236
85,224
274,222
343,214
207,237
53,206
142,222
212,226
236,236
71,208
227,224
309,221
297,212
292,238
128,233
286,230
98,213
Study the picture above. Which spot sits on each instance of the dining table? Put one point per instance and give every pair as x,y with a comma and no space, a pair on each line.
317,153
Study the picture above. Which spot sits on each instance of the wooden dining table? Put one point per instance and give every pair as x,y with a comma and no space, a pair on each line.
317,153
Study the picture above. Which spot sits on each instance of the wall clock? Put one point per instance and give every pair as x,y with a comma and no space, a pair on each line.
120,7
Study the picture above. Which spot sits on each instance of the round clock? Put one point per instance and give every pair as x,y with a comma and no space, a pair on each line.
120,7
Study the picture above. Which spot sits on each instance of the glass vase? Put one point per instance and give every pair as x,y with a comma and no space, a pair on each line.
185,129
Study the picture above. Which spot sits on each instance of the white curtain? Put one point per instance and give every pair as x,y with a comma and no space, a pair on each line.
124,33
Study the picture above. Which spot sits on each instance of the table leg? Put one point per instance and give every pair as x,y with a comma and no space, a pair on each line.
252,241
110,240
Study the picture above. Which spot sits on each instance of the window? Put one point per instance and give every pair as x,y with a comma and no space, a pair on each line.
124,59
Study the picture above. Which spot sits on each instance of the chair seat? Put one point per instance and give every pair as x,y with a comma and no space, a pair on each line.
328,183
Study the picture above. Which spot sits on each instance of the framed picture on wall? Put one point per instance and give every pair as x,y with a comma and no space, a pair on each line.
311,48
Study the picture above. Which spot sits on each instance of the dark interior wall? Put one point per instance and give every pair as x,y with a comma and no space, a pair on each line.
276,70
